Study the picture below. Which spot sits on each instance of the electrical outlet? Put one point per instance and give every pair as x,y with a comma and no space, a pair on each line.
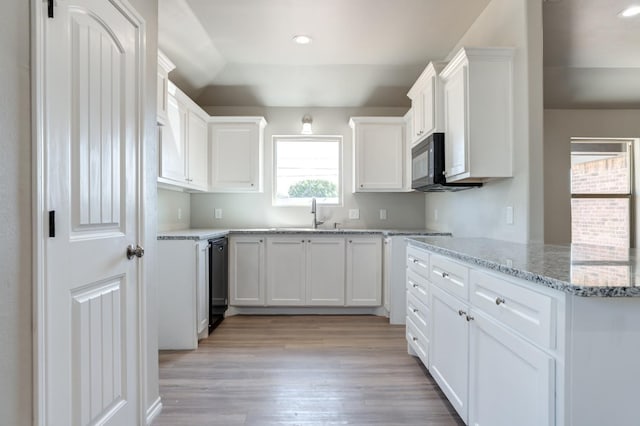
354,213
218,213
435,215
509,215
179,214
383,214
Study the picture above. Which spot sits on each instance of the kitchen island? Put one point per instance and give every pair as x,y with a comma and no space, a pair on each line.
527,334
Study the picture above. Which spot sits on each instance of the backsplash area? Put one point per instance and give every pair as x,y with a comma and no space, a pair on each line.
174,210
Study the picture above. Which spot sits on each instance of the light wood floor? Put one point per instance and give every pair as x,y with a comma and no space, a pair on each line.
300,370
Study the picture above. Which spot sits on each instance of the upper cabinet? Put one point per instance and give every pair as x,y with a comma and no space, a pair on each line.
183,143
236,154
478,114
164,67
426,103
379,154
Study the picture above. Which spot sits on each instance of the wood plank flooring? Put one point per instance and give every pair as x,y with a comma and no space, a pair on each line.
301,370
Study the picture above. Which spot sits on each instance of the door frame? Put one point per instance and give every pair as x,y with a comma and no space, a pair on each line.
40,216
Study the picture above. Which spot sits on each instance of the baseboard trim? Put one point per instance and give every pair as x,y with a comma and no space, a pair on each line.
245,310
154,411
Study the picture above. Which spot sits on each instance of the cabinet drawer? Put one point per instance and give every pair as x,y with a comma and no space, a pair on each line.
450,276
418,342
418,313
418,287
528,312
418,261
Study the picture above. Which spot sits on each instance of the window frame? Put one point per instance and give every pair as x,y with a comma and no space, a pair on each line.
275,202
623,195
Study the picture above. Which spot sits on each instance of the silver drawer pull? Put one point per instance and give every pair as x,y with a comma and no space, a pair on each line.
500,300
415,339
445,275
415,311
462,313
470,318
414,260
414,285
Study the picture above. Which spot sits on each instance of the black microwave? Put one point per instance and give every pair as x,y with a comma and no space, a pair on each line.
427,167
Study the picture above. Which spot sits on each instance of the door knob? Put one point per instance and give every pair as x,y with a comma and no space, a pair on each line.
136,251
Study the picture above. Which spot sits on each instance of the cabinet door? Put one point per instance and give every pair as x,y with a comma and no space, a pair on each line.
198,152
235,157
449,357
246,271
511,381
173,143
456,131
202,287
417,123
428,106
379,157
364,271
285,271
325,271
161,96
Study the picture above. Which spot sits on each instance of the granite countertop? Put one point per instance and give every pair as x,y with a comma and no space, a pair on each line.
205,234
581,270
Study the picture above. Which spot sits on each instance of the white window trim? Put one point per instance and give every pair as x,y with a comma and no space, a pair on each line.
309,138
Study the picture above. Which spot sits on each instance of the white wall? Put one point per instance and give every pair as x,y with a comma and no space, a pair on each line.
174,210
482,212
404,210
15,216
559,127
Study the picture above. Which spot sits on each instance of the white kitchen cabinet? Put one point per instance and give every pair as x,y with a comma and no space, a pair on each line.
426,103
325,270
165,66
305,270
364,271
183,293
183,143
236,154
511,381
449,352
379,154
478,114
247,270
286,271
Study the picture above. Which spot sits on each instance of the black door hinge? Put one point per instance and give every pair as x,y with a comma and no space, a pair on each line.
50,8
52,223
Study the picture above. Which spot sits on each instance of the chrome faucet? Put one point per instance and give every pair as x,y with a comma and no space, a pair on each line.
313,212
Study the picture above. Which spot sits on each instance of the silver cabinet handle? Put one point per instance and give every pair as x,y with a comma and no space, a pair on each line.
136,251
444,275
415,311
415,260
500,300
470,318
415,339
462,313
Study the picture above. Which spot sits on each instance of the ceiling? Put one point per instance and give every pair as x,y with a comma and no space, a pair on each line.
369,52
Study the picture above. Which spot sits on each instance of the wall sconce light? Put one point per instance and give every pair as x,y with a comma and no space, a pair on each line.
306,125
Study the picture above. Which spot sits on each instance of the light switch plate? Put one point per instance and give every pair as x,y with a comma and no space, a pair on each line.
383,214
509,215
218,213
179,213
354,213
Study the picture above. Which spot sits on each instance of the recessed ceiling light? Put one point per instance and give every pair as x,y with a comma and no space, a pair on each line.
302,39
630,11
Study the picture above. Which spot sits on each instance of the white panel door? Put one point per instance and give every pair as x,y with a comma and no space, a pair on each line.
325,271
428,96
512,382
198,152
92,138
449,356
286,271
246,271
364,271
455,122
234,156
173,143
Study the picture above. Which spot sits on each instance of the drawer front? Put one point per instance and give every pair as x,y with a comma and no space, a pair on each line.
418,313
450,276
418,261
418,287
418,342
528,312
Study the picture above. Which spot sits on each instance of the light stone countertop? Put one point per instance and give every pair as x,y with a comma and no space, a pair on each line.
581,270
205,234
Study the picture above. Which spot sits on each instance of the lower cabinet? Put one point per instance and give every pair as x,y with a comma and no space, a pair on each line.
247,270
364,271
183,293
305,270
488,358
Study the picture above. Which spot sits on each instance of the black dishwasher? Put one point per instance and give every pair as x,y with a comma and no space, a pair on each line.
218,281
